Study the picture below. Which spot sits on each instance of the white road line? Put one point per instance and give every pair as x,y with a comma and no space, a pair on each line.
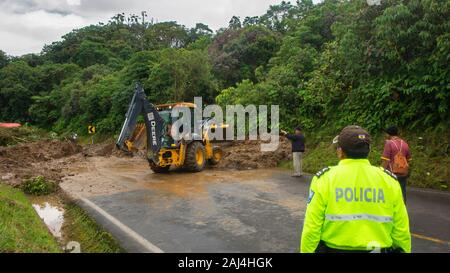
138,238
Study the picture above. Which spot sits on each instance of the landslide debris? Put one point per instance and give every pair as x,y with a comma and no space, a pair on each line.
45,157
53,158
244,155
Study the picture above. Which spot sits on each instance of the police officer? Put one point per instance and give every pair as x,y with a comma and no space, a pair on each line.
354,206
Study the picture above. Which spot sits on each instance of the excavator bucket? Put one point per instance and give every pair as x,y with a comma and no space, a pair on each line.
138,140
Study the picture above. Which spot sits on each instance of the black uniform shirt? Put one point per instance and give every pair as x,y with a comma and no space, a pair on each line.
298,142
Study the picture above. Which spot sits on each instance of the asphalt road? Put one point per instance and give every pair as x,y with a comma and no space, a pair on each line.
229,211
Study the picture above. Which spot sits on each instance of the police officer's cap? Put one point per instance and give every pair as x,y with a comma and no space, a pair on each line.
354,139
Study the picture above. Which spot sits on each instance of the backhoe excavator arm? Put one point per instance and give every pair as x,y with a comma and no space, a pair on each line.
153,123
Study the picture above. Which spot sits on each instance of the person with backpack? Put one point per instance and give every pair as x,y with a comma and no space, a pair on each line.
396,157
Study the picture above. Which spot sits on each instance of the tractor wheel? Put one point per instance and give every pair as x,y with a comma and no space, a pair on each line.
195,157
216,156
157,169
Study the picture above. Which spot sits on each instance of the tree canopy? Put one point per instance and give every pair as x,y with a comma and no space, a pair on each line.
327,64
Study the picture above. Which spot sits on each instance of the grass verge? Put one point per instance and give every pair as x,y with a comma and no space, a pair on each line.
81,228
21,229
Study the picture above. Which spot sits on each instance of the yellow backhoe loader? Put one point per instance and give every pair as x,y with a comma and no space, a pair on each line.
162,151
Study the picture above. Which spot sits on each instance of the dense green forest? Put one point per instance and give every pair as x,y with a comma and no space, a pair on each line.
327,65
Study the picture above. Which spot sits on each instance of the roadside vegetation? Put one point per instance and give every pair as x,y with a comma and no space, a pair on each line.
429,167
21,228
39,186
83,229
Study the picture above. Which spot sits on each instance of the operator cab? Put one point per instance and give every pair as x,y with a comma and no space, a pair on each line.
165,111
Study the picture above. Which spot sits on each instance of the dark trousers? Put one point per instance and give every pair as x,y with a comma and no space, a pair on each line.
402,180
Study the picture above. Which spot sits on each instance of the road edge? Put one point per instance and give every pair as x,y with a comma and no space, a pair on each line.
128,239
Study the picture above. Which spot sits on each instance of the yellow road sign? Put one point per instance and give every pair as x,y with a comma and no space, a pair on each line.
91,129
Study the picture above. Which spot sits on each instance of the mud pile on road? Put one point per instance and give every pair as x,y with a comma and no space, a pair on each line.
240,155
245,155
106,149
55,159
45,157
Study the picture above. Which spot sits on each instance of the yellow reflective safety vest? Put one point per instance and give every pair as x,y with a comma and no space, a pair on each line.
355,206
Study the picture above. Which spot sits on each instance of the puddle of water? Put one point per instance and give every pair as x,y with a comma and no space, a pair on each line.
52,216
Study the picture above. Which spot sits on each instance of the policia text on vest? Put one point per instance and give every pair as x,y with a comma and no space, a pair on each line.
354,206
360,195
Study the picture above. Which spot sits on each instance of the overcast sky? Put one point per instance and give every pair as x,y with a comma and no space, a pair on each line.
27,25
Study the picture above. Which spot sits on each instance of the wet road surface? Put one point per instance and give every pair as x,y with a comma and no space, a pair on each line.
222,211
